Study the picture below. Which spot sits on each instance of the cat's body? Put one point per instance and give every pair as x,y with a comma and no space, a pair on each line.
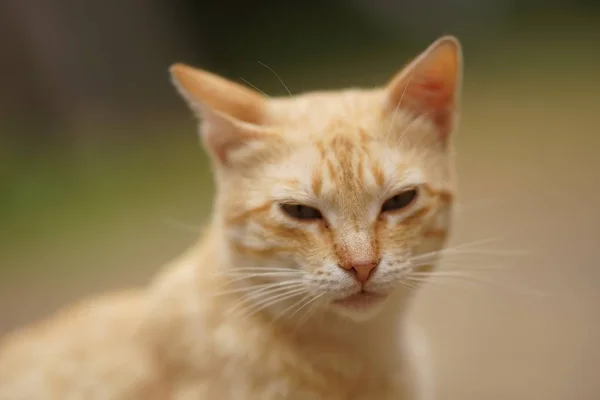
106,348
327,202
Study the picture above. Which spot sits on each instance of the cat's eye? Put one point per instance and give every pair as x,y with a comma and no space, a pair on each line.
400,201
299,211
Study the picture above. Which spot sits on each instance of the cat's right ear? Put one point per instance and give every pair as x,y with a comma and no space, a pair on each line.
231,113
430,85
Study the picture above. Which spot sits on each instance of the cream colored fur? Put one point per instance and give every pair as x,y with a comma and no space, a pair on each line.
267,306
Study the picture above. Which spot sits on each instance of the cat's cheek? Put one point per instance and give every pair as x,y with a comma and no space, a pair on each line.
395,236
396,247
316,257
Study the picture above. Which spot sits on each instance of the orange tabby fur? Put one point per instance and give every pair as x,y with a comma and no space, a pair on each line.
269,306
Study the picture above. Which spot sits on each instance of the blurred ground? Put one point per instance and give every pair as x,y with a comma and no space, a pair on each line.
528,178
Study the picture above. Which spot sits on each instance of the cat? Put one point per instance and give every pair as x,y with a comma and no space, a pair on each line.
327,205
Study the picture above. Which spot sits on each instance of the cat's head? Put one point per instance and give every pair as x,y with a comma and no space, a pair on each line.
342,194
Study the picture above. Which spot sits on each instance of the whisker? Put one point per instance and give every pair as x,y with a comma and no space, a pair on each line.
452,249
269,301
312,299
263,293
263,269
463,249
466,261
309,311
455,266
492,252
248,83
274,288
256,289
257,272
254,275
426,276
306,297
475,243
278,77
407,284
280,298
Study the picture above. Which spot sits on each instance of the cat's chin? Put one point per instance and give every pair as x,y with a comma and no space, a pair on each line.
360,306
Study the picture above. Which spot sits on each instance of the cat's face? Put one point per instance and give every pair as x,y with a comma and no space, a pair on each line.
338,196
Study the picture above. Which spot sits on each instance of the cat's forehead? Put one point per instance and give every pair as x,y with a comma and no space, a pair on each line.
321,114
341,146
344,166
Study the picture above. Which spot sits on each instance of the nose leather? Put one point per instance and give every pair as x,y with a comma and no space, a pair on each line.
362,271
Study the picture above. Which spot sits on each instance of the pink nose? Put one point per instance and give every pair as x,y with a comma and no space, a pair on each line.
362,271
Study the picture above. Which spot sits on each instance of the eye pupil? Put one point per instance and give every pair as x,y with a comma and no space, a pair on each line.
299,211
399,201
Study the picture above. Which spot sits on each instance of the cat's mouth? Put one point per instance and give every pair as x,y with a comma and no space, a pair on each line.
361,299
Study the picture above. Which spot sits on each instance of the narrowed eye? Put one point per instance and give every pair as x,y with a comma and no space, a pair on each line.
300,211
400,201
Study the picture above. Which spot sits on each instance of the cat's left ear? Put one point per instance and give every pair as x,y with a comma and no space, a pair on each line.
232,115
430,85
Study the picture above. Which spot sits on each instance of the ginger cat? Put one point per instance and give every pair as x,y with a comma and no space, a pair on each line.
327,202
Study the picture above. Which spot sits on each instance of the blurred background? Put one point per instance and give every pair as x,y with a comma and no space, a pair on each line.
102,179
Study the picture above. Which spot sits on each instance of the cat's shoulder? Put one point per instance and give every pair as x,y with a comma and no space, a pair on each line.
100,313
98,337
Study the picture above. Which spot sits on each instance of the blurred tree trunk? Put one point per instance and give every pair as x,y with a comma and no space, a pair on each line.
50,48
92,63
